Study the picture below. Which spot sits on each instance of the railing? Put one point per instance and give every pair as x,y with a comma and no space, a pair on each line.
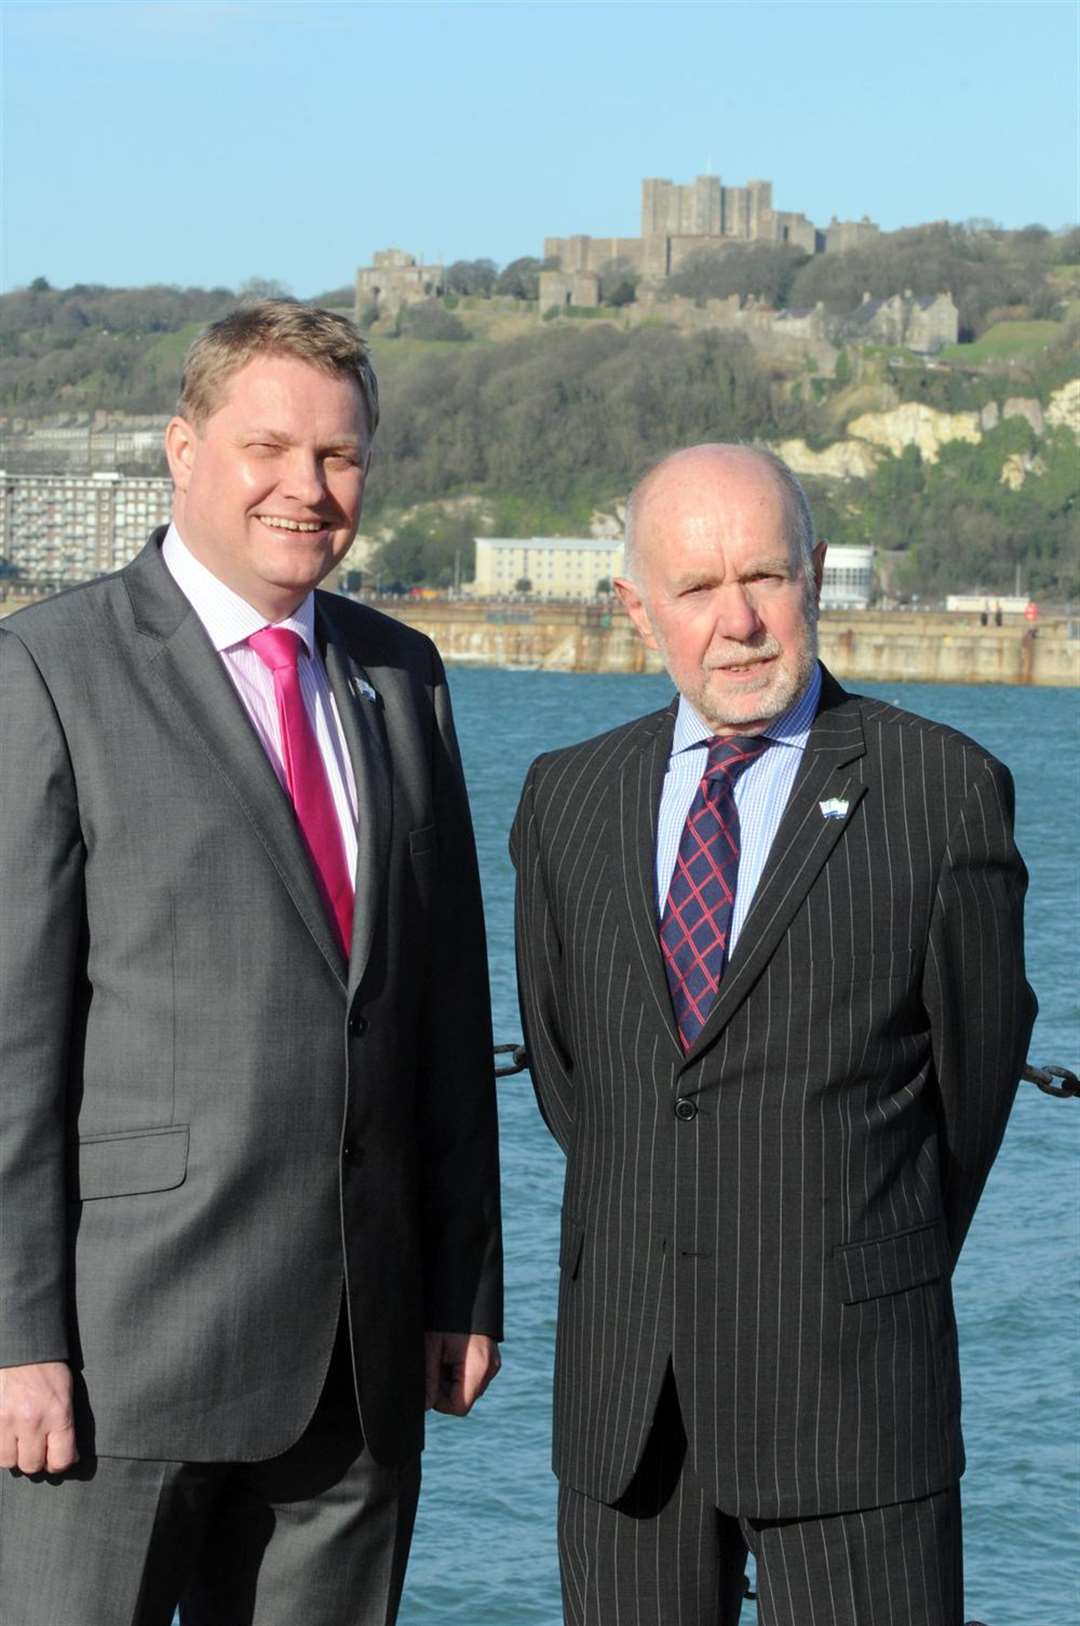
1042,1077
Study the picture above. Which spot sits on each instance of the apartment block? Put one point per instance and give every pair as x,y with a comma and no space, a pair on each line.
60,529
562,567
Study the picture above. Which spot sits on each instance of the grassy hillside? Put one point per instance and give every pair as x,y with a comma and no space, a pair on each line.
540,423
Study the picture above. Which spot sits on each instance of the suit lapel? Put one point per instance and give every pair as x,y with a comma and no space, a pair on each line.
208,707
360,711
638,789
829,772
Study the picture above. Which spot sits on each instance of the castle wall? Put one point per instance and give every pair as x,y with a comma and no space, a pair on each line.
681,249
933,326
575,254
394,280
580,288
842,235
796,229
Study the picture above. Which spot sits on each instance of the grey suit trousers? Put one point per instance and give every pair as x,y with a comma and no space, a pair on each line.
320,1534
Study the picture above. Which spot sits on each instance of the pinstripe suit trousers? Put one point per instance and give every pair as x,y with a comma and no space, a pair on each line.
664,1555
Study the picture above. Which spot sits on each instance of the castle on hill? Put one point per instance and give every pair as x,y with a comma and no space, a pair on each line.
679,221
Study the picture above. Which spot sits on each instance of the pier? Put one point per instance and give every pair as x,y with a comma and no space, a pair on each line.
894,646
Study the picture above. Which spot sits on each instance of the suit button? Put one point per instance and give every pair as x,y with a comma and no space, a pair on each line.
353,1154
685,1109
358,1025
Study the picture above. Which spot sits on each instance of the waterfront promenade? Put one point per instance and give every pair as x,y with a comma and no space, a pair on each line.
882,646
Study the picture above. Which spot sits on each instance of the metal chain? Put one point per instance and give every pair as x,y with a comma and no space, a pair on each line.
1043,1077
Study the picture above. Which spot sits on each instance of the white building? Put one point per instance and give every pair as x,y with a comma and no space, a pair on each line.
848,582
554,566
59,529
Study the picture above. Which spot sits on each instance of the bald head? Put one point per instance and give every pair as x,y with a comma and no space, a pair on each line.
722,579
720,468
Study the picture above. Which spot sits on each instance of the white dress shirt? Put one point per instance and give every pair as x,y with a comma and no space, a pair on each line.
229,620
761,795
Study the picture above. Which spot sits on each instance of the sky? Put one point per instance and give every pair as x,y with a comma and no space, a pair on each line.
205,144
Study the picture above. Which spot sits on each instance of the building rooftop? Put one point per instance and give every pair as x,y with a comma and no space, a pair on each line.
594,544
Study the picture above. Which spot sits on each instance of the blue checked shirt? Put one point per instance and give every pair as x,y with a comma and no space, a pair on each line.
761,795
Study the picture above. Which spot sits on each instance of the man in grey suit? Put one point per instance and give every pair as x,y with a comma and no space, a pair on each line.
771,970
248,1166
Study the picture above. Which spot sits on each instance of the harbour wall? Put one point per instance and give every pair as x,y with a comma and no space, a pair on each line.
875,646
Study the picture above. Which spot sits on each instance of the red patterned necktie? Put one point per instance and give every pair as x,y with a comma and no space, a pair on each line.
305,773
697,916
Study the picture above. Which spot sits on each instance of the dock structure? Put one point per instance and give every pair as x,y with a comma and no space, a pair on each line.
874,646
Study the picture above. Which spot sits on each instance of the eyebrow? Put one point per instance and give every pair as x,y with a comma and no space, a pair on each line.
779,565
351,443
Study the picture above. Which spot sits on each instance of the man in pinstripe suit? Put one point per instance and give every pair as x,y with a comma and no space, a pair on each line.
765,1194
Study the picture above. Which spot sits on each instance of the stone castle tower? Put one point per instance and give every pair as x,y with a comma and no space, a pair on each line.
678,221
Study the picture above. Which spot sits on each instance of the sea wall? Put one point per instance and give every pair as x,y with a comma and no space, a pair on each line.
876,646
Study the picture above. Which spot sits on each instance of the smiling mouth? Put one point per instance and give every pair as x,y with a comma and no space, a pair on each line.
305,527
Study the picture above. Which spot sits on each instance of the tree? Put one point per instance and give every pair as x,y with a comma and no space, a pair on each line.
339,298
41,285
1067,249
603,587
523,585
618,283
765,271
254,288
521,278
470,277
430,321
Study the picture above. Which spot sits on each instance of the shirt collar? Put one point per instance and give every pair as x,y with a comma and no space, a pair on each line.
792,727
228,618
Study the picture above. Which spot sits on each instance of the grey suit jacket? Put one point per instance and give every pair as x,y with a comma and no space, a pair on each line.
777,1212
210,1125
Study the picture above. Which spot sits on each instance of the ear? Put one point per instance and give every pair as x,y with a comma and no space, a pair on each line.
819,567
180,444
634,605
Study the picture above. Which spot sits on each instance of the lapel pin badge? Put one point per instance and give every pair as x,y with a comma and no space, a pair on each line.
362,689
835,808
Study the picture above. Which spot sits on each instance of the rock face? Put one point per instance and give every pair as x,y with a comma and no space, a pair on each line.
913,424
608,524
1025,407
843,460
1017,467
872,435
1063,410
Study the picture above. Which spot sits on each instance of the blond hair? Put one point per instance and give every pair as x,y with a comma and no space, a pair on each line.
274,327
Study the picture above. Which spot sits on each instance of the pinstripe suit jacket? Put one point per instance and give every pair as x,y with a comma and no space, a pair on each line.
778,1211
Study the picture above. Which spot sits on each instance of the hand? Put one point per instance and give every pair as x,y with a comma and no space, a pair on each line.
37,1425
458,1368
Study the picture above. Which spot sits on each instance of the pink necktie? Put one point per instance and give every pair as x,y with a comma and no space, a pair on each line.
279,649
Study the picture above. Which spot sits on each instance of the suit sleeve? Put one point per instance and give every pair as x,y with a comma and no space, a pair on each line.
540,974
41,914
459,1130
980,1006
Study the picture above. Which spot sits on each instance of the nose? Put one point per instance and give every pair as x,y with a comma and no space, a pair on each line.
736,616
305,479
